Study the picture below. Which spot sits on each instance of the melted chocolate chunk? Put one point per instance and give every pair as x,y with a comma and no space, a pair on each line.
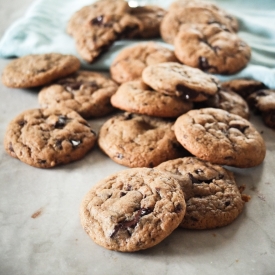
178,208
119,156
61,122
186,92
22,123
58,144
199,171
41,161
97,21
11,147
194,180
124,225
227,203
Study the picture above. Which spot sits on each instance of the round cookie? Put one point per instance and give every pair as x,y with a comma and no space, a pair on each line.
228,101
231,20
38,69
133,209
138,140
96,35
175,18
219,137
244,87
45,138
88,93
211,194
211,49
96,9
151,17
131,61
137,97
180,80
263,101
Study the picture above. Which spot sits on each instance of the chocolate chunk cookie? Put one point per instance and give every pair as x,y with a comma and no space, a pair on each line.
211,194
96,35
137,97
131,61
244,87
180,80
263,102
228,101
38,69
45,138
139,141
219,137
211,48
151,17
133,209
86,92
98,8
175,18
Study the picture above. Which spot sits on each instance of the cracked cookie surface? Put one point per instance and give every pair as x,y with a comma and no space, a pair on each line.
133,209
85,92
212,196
131,61
137,97
138,140
211,48
45,138
180,80
175,18
219,137
38,69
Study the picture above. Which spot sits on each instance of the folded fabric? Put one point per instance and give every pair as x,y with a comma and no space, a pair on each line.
43,29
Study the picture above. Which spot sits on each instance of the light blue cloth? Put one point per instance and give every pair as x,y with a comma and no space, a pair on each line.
43,29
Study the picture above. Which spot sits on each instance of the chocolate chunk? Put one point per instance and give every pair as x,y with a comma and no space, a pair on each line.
195,180
186,92
75,142
62,120
22,122
98,20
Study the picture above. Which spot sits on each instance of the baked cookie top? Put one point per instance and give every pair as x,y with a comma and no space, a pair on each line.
96,35
242,86
138,140
88,93
98,8
211,194
175,18
219,137
262,100
45,138
137,97
38,69
131,61
211,48
151,17
133,209
228,101
180,80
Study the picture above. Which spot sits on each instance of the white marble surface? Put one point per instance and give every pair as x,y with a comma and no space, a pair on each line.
40,232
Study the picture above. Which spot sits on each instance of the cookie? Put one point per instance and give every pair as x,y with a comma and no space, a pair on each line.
228,101
92,11
212,196
244,87
131,61
133,209
138,140
211,49
38,69
263,102
230,19
180,80
151,17
45,138
88,93
96,35
221,138
137,97
175,18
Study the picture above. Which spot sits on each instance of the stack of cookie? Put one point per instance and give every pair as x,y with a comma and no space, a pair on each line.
97,26
205,37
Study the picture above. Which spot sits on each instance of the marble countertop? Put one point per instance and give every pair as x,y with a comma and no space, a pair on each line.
40,231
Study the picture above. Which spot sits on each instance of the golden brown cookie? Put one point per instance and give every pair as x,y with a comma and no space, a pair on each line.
38,69
46,138
133,209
